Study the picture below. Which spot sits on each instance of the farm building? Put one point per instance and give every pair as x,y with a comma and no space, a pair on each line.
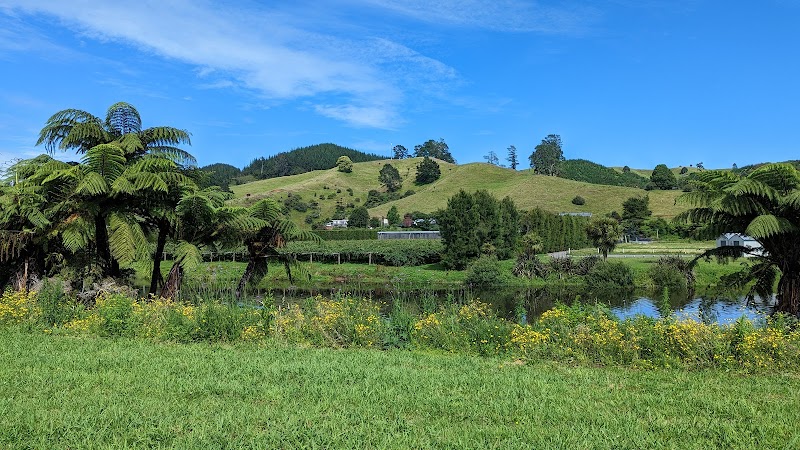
739,240
408,235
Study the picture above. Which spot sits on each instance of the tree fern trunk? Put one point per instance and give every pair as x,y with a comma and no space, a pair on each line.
173,284
789,293
257,267
107,263
155,276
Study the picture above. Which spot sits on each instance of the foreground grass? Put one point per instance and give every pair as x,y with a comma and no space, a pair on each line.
62,392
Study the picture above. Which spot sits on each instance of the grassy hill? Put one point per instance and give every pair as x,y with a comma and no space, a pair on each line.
647,172
526,189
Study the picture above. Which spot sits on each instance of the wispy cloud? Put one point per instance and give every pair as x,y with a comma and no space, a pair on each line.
500,15
284,52
253,49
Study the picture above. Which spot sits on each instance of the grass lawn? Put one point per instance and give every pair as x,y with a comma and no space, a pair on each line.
63,392
224,275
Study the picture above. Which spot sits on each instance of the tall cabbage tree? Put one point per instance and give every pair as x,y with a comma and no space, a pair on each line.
765,204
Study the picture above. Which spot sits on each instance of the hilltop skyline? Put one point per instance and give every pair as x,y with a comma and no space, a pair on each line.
623,83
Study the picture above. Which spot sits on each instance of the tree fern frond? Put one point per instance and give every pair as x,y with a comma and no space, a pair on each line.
125,237
92,184
123,118
188,255
106,159
76,233
781,177
768,225
174,154
751,186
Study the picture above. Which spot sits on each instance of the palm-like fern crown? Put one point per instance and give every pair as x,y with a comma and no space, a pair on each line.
765,204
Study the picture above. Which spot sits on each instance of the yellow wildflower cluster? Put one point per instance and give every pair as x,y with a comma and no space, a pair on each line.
253,333
18,306
687,339
83,325
526,339
474,310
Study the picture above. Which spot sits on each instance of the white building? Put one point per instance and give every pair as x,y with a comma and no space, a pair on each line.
337,224
740,240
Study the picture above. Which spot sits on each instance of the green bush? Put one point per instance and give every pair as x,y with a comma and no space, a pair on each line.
346,235
57,308
578,200
115,313
589,172
485,271
608,276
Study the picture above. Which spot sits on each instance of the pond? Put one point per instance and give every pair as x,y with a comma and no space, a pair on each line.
525,304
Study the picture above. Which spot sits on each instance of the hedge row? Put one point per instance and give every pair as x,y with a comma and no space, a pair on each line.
394,252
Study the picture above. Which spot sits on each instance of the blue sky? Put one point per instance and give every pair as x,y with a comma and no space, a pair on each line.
622,81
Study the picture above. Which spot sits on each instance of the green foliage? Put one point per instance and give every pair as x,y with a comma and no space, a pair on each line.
304,159
610,276
399,152
578,200
684,170
392,252
359,218
57,308
393,216
485,271
513,159
557,232
663,178
635,210
547,156
589,172
764,204
389,177
344,164
472,220
427,171
346,234
220,174
434,149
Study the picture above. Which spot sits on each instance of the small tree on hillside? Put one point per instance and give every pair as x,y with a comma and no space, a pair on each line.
547,155
428,171
434,149
604,232
359,218
492,158
393,216
512,157
626,169
399,152
390,177
344,164
663,178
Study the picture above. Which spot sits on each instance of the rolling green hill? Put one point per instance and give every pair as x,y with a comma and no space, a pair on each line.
526,189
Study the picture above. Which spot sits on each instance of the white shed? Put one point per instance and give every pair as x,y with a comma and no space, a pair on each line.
740,240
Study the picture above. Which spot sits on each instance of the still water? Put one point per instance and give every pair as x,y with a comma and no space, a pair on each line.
526,304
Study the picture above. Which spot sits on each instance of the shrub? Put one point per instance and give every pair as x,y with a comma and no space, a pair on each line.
115,315
608,276
485,271
56,308
672,272
578,200
344,164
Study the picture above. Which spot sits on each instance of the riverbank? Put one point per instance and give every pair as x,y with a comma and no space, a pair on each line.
68,392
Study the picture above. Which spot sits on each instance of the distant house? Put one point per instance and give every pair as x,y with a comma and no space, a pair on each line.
337,224
740,240
408,235
578,214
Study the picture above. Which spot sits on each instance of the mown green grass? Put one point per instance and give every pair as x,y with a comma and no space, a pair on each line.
526,189
62,392
330,275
